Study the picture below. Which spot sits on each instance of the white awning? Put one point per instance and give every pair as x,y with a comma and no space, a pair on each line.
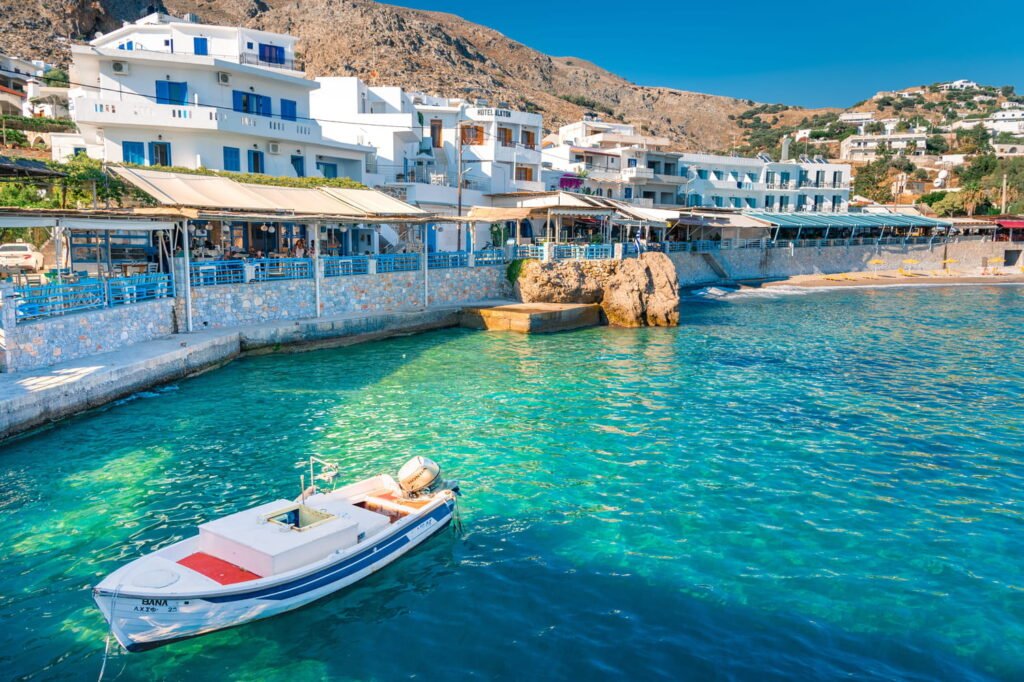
115,224
18,222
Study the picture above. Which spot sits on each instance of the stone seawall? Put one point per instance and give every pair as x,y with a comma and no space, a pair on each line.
744,264
235,305
59,339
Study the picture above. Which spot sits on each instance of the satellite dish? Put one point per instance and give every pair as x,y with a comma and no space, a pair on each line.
943,174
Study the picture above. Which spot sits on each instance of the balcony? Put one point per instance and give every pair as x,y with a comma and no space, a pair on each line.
101,112
637,173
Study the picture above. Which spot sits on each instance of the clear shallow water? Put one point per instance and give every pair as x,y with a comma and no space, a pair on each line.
785,486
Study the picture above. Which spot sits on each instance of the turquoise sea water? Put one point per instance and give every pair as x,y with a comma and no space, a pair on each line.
810,486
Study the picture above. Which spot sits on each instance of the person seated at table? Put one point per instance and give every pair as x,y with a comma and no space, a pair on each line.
300,249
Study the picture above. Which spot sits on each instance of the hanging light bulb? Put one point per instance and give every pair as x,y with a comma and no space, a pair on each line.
263,227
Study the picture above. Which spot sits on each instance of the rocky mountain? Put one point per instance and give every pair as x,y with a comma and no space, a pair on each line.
428,51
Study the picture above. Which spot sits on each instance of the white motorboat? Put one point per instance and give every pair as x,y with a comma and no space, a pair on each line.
275,557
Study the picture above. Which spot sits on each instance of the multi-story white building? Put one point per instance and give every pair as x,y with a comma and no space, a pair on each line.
169,92
419,140
959,85
15,75
866,147
614,161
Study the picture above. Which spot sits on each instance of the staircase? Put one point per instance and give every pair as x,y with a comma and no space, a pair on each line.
715,266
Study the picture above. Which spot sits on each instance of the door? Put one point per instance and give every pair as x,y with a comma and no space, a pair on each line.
160,154
299,164
435,134
200,46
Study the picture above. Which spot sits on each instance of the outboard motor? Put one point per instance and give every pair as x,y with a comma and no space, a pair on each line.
419,476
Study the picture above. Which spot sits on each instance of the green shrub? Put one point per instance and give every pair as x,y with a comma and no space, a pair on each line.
514,269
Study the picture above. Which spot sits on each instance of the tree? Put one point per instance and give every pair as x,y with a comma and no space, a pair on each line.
974,140
1006,91
949,205
56,78
972,196
936,145
872,180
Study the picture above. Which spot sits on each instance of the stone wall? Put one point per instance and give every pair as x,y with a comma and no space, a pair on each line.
30,345
233,305
741,264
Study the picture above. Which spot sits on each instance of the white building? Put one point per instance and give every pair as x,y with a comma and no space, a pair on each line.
1006,121
419,138
857,117
15,75
612,160
168,92
959,85
1012,105
866,147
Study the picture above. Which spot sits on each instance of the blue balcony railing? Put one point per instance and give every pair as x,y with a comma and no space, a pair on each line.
343,266
54,299
212,273
274,269
446,260
398,262
489,257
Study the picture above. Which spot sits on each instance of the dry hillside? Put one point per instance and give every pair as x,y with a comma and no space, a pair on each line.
428,51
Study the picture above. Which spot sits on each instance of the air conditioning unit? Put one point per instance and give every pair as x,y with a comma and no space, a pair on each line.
223,78
121,68
274,147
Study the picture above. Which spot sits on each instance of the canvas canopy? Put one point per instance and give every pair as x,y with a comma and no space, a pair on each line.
210,194
856,220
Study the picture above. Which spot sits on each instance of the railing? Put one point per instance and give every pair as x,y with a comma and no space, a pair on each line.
598,251
55,299
530,251
289,63
398,262
127,290
489,257
211,273
270,269
446,260
344,266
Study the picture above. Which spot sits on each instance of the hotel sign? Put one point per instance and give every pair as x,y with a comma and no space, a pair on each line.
496,113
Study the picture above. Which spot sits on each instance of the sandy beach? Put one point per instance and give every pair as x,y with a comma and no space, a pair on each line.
903,278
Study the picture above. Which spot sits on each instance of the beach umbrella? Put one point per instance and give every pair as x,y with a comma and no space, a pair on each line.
876,262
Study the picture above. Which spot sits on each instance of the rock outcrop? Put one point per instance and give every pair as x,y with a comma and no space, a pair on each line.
636,292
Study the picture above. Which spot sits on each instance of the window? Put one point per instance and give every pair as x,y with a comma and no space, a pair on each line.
299,164
472,135
170,92
801,201
837,203
783,203
694,200
249,45
631,163
328,170
627,193
719,201
719,175
751,202
751,177
524,173
769,177
133,152
78,150
127,45
232,159
436,128
703,174
289,110
529,139
200,46
784,178
271,54
737,202
160,154
505,137
169,44
837,178
256,161
769,202
251,103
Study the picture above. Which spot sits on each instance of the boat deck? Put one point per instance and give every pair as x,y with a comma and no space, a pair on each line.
217,570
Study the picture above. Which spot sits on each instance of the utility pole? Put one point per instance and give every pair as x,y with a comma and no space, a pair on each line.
1002,208
458,246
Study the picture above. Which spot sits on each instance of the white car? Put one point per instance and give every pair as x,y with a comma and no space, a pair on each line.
20,257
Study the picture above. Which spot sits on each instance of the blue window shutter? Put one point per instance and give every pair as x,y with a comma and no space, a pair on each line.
177,93
266,107
289,110
133,152
201,46
236,100
232,159
163,92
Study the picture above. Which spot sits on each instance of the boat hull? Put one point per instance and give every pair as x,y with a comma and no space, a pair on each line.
145,621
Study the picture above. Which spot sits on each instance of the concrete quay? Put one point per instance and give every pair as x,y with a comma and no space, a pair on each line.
34,398
533,318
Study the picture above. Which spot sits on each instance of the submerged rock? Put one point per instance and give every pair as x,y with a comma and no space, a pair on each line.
636,292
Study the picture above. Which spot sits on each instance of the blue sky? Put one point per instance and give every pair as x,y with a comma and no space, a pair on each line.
797,52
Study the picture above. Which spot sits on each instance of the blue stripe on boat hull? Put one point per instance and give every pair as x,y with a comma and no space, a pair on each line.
331,574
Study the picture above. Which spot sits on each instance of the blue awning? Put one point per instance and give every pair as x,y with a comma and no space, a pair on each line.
852,220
